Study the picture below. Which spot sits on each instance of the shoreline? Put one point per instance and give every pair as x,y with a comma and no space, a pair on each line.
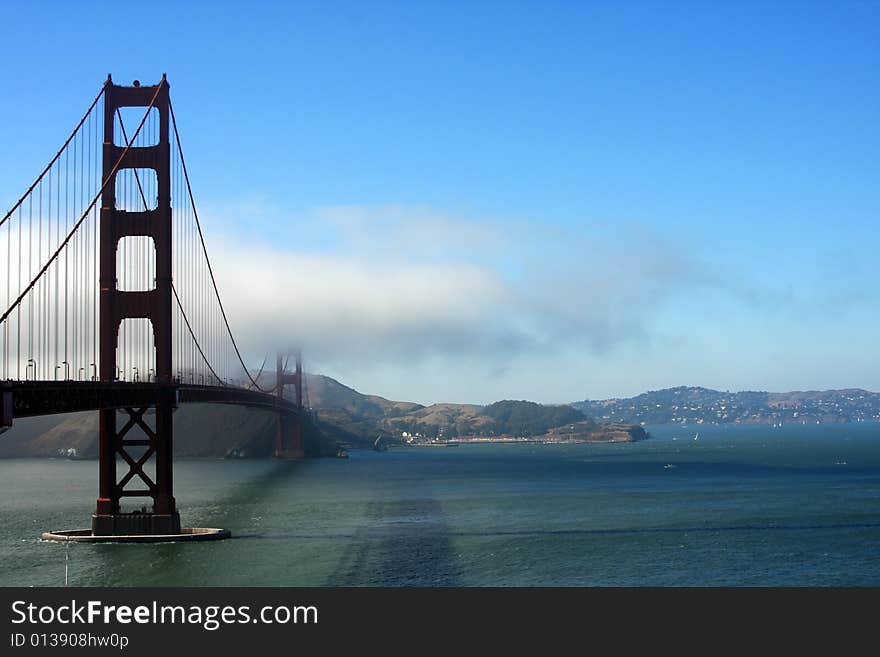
516,441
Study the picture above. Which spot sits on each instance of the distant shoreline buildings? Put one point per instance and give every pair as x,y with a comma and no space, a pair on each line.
695,405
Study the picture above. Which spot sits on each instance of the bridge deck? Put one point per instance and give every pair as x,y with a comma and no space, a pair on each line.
32,398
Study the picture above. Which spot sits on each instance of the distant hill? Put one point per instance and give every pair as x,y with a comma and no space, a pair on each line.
345,416
341,414
199,430
695,405
362,418
525,418
327,393
507,419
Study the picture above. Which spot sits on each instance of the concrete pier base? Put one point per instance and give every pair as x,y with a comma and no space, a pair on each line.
127,524
186,534
290,455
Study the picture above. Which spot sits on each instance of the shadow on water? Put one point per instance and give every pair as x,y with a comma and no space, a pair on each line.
116,563
694,529
264,485
401,543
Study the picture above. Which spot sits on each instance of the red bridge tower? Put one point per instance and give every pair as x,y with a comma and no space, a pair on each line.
289,431
155,305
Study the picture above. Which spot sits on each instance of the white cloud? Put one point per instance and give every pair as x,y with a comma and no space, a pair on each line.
345,307
407,284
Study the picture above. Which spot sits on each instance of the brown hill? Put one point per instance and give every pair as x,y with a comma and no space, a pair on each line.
342,415
591,432
441,420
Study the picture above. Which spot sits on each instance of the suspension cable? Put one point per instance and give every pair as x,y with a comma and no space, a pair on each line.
174,289
88,210
134,171
205,250
58,154
195,340
260,373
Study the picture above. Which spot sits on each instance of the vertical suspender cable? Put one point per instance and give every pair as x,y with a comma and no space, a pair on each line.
204,249
30,348
63,244
18,322
66,254
41,292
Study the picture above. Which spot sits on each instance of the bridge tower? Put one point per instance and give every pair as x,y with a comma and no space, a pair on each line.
154,305
289,433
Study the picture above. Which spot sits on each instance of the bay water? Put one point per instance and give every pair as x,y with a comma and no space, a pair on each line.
691,506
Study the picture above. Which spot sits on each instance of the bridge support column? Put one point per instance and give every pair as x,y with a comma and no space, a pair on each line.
289,434
289,438
164,504
137,453
5,409
153,447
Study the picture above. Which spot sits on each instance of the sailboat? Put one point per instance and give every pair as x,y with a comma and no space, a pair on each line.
697,436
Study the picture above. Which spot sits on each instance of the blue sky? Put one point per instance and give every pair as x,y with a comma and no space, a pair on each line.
476,201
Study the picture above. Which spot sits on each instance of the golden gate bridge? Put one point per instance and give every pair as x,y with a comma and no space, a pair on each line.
111,305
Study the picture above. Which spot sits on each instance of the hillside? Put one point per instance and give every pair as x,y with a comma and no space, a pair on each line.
356,420
525,418
341,414
695,405
440,421
199,430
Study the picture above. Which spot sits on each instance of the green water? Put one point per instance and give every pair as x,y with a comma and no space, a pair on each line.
742,506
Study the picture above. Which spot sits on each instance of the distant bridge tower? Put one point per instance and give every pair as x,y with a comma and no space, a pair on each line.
154,305
289,431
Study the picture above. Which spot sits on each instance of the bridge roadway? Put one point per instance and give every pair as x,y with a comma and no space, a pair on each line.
33,398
